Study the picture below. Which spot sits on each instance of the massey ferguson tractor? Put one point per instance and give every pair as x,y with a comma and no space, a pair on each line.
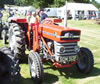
48,42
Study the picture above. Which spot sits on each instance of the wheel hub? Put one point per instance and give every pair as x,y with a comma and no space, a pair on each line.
82,61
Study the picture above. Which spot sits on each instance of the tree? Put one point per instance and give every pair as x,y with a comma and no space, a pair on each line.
20,2
96,4
58,3
1,3
42,3
82,1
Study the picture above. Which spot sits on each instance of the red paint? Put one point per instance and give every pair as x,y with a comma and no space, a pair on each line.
57,65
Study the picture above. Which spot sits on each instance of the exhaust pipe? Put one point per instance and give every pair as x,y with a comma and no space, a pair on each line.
65,15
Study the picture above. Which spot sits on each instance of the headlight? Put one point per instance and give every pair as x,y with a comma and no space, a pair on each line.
62,49
68,35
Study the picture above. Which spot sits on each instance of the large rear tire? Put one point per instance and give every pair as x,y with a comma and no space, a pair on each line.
4,36
86,61
0,29
17,40
9,67
35,67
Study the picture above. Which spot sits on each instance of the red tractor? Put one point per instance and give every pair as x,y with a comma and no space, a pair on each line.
50,42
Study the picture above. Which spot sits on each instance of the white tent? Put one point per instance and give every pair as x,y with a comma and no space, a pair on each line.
75,7
81,6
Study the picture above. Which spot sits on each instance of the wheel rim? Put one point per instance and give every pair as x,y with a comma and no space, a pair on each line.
82,63
32,68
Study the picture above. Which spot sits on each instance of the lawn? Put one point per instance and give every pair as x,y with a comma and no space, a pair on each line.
90,37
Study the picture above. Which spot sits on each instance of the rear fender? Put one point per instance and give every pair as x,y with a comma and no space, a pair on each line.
17,20
24,24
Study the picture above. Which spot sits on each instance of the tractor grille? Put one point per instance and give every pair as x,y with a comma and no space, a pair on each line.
66,49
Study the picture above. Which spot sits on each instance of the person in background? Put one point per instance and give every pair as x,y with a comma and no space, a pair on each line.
1,15
25,13
11,13
34,20
38,16
42,15
28,16
33,17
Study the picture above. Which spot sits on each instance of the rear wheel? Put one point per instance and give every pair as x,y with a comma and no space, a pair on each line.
0,29
4,36
17,40
35,67
9,67
86,61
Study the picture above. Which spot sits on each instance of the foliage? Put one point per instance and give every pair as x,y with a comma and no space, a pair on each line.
45,3
81,1
96,4
1,3
40,3
58,3
20,2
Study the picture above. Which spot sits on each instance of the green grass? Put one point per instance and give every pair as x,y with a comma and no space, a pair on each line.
90,38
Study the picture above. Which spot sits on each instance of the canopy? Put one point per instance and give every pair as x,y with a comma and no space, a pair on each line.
81,6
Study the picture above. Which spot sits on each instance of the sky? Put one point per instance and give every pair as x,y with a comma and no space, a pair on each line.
98,1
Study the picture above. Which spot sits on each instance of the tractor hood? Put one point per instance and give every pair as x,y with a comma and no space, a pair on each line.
59,33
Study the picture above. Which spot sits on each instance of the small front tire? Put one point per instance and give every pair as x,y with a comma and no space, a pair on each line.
86,61
35,67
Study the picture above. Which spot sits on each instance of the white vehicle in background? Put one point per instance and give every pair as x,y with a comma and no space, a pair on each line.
57,12
51,12
98,15
61,13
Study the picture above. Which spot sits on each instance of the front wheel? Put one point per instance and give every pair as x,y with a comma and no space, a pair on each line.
86,61
35,67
